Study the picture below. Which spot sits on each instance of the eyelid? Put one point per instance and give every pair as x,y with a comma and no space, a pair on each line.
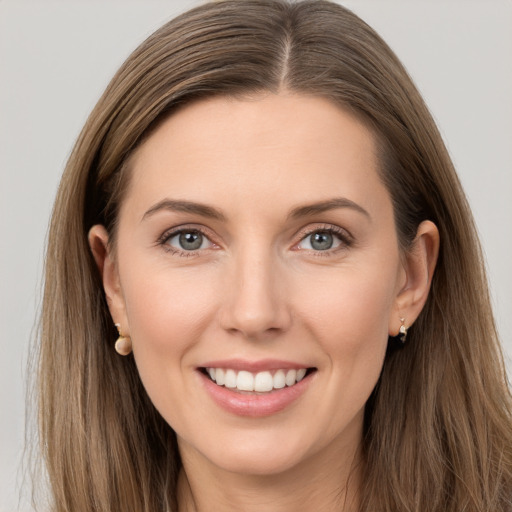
184,228
346,238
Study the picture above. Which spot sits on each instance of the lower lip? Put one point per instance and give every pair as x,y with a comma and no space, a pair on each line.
255,405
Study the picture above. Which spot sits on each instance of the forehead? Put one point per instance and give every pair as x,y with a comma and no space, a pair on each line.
265,149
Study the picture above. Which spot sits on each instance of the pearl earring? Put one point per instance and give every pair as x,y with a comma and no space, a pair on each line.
123,344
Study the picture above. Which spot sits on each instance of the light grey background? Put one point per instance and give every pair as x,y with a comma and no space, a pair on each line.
57,57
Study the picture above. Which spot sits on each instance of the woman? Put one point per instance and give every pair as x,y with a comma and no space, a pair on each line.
263,205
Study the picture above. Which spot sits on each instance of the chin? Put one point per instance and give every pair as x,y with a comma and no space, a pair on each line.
260,464
250,453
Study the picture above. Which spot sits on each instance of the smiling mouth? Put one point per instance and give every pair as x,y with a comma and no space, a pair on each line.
260,382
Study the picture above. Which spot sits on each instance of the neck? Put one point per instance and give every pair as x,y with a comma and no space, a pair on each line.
327,482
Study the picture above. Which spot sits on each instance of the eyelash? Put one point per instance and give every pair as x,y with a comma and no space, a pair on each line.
342,235
345,238
168,235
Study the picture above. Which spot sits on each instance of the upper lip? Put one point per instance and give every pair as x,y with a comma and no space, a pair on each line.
255,366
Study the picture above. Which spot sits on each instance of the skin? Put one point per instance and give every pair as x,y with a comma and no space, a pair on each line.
257,288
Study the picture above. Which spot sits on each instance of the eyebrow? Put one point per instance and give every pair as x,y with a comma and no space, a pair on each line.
204,210
324,206
186,207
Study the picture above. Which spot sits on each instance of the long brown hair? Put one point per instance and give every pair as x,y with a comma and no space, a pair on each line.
438,430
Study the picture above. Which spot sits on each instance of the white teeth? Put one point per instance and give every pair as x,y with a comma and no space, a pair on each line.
279,379
263,382
230,379
300,374
260,382
220,376
245,381
290,378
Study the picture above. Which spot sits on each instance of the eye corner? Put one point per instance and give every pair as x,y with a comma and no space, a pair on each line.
187,241
331,239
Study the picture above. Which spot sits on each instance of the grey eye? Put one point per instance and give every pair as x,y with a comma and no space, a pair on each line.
191,241
188,241
321,241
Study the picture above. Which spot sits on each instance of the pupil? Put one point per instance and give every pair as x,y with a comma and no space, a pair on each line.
191,240
322,241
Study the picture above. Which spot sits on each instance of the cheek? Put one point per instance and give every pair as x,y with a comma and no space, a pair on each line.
349,310
167,313
167,307
348,316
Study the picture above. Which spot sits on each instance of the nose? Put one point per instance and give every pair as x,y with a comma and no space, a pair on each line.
256,305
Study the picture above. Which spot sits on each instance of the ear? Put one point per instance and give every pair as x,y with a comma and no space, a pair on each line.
103,255
419,264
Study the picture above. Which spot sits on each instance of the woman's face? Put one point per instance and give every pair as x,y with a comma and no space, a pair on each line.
256,242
